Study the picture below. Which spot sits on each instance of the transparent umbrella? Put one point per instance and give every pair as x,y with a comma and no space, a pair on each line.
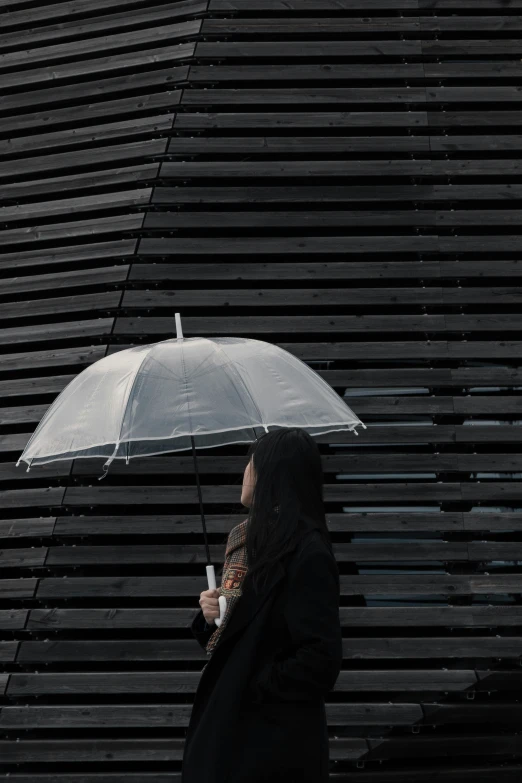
182,393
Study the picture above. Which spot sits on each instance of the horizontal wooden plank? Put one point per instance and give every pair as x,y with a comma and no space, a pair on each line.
11,619
483,404
297,95
288,6
100,302
484,69
97,251
301,297
19,415
328,71
475,94
180,683
292,219
332,168
426,349
468,46
187,524
275,169
71,206
56,357
247,324
193,554
267,145
165,715
267,297
365,585
29,498
323,49
85,181
302,25
473,118
334,95
76,279
159,495
94,227
471,24
339,193
477,142
26,528
78,751
69,330
325,270
59,619
17,588
477,267
316,119
431,647
474,744
8,650
363,648
285,245
22,558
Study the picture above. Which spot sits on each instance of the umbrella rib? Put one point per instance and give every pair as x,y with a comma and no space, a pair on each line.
108,462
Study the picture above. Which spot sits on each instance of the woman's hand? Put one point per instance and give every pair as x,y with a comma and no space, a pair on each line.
209,602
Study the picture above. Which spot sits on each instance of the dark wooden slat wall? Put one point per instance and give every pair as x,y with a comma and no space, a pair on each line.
342,178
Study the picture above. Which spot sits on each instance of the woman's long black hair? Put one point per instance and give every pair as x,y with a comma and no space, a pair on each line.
287,499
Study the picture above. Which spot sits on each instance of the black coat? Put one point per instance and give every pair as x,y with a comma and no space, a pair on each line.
259,712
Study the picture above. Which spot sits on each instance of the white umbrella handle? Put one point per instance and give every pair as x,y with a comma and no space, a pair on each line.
211,578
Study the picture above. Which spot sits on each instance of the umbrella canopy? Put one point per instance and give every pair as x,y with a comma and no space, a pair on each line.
182,392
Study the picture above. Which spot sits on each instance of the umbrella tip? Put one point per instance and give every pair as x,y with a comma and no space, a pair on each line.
179,332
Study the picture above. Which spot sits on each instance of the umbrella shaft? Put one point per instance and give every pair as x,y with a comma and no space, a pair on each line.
200,499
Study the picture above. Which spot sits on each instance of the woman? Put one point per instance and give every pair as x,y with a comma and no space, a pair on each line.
259,712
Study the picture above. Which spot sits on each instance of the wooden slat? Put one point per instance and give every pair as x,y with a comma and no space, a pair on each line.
77,228
324,49
152,682
186,524
127,618
100,302
367,585
149,715
26,528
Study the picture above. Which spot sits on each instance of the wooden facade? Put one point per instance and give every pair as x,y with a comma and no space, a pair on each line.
342,178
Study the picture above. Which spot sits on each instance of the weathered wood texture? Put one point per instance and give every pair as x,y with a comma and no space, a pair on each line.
342,178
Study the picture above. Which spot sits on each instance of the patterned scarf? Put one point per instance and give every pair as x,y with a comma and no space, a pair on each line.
234,572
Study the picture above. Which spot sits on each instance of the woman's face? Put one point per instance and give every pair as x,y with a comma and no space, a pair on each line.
248,484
